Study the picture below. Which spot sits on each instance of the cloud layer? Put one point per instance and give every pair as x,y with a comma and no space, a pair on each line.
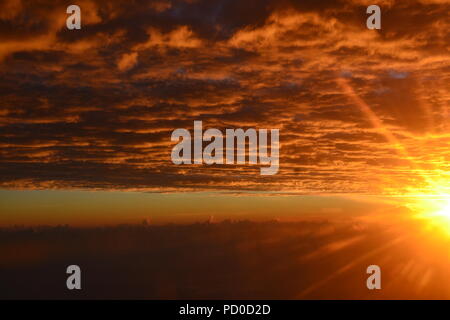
228,260
358,110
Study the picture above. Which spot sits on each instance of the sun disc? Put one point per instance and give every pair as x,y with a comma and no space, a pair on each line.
445,211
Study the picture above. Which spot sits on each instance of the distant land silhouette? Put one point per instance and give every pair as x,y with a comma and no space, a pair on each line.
225,260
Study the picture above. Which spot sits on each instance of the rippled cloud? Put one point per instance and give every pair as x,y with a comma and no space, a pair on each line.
95,108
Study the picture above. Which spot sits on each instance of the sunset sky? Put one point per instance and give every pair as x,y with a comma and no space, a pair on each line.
86,115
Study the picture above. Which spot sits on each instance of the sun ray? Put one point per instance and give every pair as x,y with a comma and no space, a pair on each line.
377,123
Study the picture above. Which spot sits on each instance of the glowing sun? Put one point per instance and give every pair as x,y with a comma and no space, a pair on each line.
435,211
445,210
440,216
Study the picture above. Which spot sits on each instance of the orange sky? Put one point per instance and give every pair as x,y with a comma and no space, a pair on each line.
360,112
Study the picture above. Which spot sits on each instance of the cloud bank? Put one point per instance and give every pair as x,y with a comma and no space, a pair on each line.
358,110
